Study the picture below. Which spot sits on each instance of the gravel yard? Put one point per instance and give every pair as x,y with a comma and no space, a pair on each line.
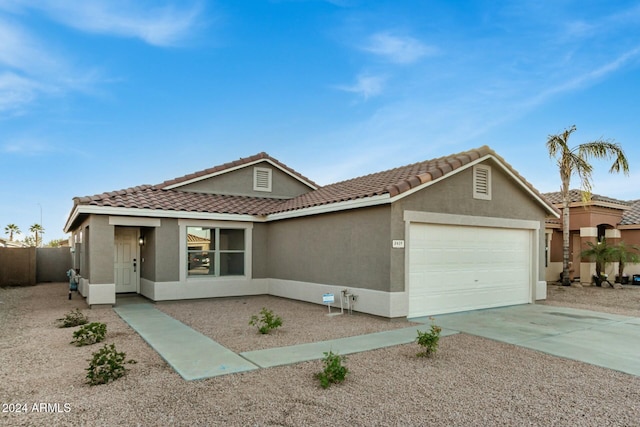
470,381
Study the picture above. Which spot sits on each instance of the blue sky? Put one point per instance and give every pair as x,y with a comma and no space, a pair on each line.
108,94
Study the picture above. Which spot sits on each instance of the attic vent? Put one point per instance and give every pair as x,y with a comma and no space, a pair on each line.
262,179
482,182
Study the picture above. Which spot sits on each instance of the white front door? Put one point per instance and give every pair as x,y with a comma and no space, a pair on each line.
126,259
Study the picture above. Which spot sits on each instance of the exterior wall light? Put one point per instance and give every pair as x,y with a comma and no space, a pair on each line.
141,241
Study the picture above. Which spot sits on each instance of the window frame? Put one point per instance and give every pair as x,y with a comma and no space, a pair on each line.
217,225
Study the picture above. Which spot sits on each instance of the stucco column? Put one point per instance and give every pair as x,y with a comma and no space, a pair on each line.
613,238
587,268
612,235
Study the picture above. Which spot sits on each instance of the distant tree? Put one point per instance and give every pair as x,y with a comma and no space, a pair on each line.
625,254
601,253
11,229
29,241
35,229
574,161
56,243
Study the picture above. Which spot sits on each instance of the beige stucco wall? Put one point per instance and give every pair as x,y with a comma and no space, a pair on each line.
100,254
259,251
349,248
454,195
240,182
161,252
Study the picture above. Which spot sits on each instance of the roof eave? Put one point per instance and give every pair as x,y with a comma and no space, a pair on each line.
157,213
547,206
238,167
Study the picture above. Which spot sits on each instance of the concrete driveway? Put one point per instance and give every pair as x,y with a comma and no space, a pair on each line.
602,339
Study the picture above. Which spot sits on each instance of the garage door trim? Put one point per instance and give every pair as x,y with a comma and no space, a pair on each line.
415,217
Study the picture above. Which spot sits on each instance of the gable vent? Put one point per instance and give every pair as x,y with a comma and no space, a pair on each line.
262,179
482,182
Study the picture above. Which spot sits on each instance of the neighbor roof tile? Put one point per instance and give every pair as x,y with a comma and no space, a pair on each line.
631,216
575,195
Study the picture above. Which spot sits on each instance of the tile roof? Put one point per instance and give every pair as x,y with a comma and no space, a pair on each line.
575,195
392,182
631,216
151,197
234,164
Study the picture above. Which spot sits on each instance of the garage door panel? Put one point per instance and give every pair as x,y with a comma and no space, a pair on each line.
457,268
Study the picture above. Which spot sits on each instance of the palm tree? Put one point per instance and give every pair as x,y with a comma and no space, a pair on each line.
11,229
624,254
37,228
574,161
601,253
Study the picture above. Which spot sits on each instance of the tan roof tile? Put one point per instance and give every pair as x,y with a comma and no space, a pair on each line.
392,182
230,165
632,216
575,195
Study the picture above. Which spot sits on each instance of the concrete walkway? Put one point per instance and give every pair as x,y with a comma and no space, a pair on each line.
313,351
602,339
191,354
195,356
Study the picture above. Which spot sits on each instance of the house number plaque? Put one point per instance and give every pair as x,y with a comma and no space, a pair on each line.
397,244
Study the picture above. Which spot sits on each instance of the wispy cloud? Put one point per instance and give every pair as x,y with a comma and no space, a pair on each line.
30,68
17,91
367,86
397,49
159,24
585,78
27,69
26,146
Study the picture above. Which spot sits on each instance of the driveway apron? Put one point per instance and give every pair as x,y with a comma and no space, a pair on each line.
602,339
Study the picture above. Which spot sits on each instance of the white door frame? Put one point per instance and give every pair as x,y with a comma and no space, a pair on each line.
133,262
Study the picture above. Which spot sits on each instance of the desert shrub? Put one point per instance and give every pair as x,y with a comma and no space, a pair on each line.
429,340
107,364
89,334
334,371
266,322
72,318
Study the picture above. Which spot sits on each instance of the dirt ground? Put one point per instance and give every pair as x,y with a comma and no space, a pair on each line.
470,381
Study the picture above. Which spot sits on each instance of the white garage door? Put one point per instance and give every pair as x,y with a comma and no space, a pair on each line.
457,268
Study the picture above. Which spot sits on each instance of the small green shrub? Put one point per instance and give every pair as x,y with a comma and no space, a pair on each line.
89,334
106,365
72,318
334,371
429,340
266,322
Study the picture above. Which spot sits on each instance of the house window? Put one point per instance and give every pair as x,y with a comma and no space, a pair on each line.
215,251
482,182
262,179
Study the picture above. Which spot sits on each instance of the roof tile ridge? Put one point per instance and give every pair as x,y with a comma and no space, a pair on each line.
442,166
287,168
233,164
521,178
109,194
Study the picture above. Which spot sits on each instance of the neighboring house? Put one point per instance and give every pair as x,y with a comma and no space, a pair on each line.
451,234
591,221
6,243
